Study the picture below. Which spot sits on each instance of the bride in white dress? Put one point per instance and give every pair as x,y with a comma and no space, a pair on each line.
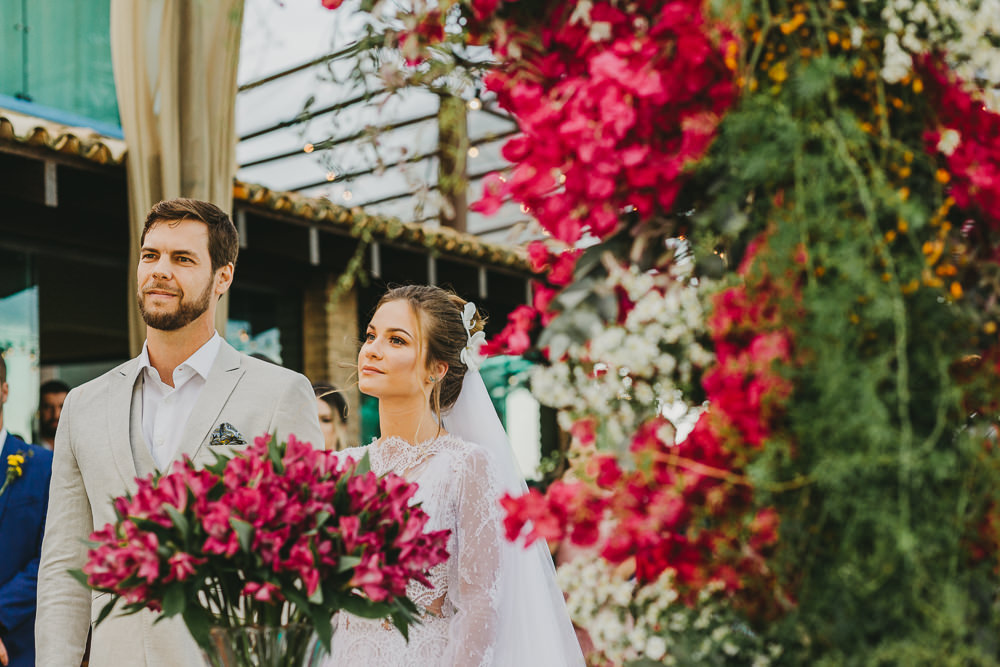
493,603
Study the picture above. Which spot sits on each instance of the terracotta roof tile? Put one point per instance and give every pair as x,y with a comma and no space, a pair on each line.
374,227
67,140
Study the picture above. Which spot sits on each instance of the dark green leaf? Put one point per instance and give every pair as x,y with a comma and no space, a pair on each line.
106,610
179,521
348,562
244,532
83,578
198,622
174,601
364,465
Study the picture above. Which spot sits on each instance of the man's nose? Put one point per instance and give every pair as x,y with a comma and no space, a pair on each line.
161,269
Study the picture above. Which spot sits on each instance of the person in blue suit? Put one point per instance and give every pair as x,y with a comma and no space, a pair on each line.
22,521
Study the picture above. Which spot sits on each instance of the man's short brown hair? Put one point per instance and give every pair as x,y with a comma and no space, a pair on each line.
3,368
223,240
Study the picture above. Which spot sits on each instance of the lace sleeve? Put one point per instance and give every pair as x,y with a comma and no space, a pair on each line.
474,571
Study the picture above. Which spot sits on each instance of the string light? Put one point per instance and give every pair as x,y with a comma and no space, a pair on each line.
331,175
308,148
347,195
475,104
473,151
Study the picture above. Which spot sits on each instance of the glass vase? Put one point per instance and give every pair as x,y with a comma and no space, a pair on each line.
264,646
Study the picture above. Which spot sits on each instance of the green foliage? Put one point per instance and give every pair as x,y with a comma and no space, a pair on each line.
876,545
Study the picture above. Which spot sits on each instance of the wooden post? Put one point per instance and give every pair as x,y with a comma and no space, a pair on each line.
453,143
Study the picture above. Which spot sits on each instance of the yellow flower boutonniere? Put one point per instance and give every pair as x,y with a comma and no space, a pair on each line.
15,468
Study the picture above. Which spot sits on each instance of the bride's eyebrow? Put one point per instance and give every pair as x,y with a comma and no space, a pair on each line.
371,327
398,330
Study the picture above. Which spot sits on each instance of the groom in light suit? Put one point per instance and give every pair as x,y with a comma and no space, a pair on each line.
188,393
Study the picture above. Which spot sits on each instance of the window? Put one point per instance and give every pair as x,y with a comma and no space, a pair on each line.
57,54
266,323
19,339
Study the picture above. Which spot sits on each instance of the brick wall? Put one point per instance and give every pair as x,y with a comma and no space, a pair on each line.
331,339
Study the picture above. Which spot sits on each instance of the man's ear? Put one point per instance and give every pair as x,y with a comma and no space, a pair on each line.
224,278
3,394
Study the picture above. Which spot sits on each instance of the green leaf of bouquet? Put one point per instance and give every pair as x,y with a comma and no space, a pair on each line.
402,624
174,601
323,627
198,622
244,532
321,518
179,521
221,461
81,577
365,608
106,611
296,598
274,450
147,525
364,465
347,563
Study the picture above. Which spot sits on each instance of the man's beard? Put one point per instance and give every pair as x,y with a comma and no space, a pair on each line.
48,429
186,312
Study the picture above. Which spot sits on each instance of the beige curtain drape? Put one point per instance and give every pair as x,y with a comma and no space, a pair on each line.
175,74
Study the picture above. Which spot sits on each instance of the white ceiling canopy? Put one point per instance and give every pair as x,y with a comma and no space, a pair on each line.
309,122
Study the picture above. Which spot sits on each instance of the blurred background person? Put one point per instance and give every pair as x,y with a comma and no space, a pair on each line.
23,505
51,396
332,415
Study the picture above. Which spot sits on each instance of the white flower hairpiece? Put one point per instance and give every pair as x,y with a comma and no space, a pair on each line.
470,354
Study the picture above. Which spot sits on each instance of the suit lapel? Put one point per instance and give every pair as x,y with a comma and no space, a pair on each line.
119,416
8,449
222,380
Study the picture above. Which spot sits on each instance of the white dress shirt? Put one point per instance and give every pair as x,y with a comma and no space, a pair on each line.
166,409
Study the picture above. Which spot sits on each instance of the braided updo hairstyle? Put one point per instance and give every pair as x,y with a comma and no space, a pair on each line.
442,335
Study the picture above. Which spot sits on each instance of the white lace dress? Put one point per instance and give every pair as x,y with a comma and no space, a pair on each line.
459,490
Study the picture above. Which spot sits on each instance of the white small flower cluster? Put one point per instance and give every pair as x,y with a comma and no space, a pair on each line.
598,600
627,622
967,31
632,371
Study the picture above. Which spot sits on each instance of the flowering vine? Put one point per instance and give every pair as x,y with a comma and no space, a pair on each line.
831,170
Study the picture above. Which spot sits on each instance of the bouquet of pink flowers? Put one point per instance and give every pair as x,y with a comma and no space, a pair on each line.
278,534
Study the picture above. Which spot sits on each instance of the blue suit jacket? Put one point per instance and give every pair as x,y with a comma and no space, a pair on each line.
22,521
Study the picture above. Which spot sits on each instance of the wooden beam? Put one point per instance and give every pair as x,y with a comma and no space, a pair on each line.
51,181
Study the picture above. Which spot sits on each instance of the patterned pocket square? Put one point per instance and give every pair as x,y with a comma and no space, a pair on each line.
226,436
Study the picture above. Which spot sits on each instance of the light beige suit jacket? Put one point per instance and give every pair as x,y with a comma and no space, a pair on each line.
96,460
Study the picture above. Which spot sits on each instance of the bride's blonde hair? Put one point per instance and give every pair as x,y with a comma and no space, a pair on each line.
442,336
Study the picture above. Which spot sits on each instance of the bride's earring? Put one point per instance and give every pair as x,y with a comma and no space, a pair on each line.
433,379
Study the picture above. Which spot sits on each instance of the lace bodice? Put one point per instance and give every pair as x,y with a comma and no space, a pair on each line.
459,490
